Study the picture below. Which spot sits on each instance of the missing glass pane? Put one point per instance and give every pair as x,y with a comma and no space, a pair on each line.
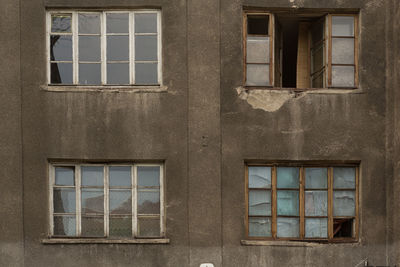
343,228
258,24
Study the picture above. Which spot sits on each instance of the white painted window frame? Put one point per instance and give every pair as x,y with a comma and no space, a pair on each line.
78,191
103,46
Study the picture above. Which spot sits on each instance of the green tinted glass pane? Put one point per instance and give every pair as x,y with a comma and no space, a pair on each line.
316,178
344,203
287,177
288,203
259,177
344,178
260,202
260,227
287,227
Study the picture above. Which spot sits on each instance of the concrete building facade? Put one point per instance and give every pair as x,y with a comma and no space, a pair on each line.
205,126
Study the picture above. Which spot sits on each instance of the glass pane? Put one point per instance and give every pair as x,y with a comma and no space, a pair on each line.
316,203
257,75
260,227
61,47
146,48
92,226
65,175
65,225
121,226
120,176
148,227
317,59
343,76
92,175
148,175
258,24
257,50
287,227
146,23
64,200
89,73
118,73
117,48
146,73
148,202
92,200
288,203
344,178
317,228
89,48
317,32
317,178
287,177
344,203
342,50
259,177
117,23
61,73
342,26
260,202
318,80
120,201
89,23
61,23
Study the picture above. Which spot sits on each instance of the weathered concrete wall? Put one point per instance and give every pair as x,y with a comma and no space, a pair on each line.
11,218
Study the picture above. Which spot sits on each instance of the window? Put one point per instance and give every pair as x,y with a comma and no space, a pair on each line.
106,201
104,48
300,50
302,202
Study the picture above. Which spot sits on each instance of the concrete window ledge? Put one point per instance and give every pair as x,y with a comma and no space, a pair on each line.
294,243
105,88
104,241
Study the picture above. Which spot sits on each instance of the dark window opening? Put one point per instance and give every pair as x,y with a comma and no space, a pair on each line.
343,228
257,24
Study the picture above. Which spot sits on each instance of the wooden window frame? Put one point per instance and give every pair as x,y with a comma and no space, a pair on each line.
302,189
78,190
103,45
327,53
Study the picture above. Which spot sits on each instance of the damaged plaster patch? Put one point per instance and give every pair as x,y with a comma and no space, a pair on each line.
267,100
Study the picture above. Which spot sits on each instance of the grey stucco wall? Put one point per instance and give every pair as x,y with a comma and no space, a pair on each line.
203,130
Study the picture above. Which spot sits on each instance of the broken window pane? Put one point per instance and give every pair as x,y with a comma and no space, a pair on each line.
61,23
260,227
287,227
257,75
146,73
61,47
344,178
61,73
89,48
117,23
258,24
342,51
259,177
316,203
287,177
148,227
64,200
120,201
257,50
343,228
65,225
288,203
92,200
92,226
65,175
117,48
121,226
146,48
342,26
118,73
148,175
89,23
120,176
317,228
89,73
146,23
260,202
344,203
92,175
316,178
343,76
148,202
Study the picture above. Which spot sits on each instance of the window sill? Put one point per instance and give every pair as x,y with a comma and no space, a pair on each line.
294,243
106,88
49,241
308,90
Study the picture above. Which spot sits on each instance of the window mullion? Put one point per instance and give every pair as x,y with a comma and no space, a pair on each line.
271,49
134,200
330,203
106,201
329,45
161,192
274,203
75,48
131,48
159,48
51,194
78,200
301,203
103,48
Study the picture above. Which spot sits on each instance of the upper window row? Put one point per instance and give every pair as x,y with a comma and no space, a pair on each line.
300,50
104,48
